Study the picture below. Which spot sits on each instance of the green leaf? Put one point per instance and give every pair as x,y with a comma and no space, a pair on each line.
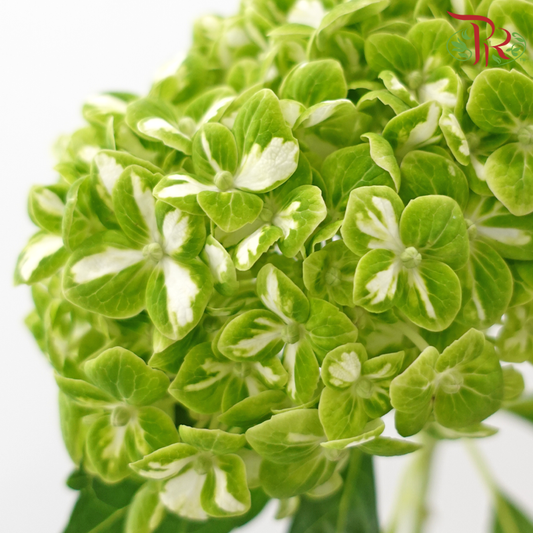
515,342
83,393
281,295
509,518
501,101
385,97
424,173
487,287
79,220
371,220
352,509
127,377
328,328
329,273
212,440
470,383
267,149
454,134
42,257
350,168
414,128
384,51
230,210
509,174
522,408
287,437
177,295
387,447
382,154
397,88
435,226
315,82
346,14
329,126
430,37
369,433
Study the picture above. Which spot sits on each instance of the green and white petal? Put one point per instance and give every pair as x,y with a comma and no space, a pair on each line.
99,108
299,216
230,210
302,368
146,511
342,366
214,151
219,261
106,169
106,450
382,154
515,341
177,295
487,287
46,206
165,462
281,295
182,495
443,85
432,295
225,491
154,119
181,190
397,88
509,174
182,236
287,437
107,275
371,220
269,152
430,37
455,137
434,227
83,393
252,336
379,281
384,96
134,204
126,377
509,235
202,380
389,447
414,129
249,250
270,372
42,257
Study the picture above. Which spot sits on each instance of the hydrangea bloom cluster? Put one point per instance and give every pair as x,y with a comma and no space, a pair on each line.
321,216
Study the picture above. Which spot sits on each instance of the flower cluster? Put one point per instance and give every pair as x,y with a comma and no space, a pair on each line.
319,217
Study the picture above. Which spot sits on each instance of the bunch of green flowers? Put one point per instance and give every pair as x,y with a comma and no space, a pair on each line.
321,216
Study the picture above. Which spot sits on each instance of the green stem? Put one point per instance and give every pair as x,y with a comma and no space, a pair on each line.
411,508
413,336
481,465
346,500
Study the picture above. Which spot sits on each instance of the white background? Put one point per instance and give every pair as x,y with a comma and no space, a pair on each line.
53,54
